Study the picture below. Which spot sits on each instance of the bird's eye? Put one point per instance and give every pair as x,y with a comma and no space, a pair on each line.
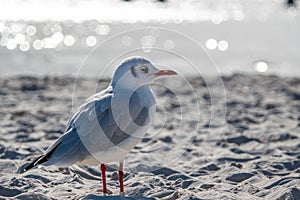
144,69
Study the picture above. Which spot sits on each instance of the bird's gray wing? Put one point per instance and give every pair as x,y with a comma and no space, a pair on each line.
138,116
68,148
100,101
101,129
95,128
65,151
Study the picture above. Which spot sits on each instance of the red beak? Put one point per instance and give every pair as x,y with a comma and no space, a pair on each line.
165,73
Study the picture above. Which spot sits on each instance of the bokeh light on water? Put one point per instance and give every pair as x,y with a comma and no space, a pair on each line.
223,45
19,38
232,29
169,44
261,66
11,44
31,30
49,34
109,11
96,17
127,41
38,44
211,44
217,19
91,41
69,40
102,29
25,46
147,42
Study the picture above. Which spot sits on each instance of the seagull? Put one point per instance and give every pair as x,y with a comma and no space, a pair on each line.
110,123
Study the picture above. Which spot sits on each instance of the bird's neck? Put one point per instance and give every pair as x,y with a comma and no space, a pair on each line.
129,88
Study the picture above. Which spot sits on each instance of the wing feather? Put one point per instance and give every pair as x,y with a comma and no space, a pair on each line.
95,124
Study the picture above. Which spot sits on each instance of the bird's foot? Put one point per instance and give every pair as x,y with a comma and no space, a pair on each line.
122,194
108,192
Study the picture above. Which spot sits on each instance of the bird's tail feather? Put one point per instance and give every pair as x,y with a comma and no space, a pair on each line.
41,159
33,163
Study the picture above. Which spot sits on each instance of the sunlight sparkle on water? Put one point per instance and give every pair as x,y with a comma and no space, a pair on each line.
147,42
261,66
211,44
25,46
223,45
17,28
3,41
69,40
169,44
56,28
31,30
57,37
126,40
11,44
91,41
102,29
19,38
38,44
238,15
49,43
217,19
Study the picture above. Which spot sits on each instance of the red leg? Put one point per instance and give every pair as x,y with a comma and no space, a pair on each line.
103,168
121,176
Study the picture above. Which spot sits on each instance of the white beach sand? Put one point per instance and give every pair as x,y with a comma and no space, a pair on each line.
256,155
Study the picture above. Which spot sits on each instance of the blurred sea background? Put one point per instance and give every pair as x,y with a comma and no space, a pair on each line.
47,37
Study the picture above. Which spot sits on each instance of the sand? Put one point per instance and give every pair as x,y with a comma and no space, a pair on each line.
251,152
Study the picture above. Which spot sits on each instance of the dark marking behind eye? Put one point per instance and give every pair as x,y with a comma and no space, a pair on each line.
133,71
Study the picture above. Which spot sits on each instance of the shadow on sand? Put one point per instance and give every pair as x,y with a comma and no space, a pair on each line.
98,197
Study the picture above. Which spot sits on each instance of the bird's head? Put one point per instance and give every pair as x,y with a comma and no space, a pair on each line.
135,72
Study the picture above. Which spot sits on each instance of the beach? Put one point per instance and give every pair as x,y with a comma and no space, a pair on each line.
232,137
226,127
